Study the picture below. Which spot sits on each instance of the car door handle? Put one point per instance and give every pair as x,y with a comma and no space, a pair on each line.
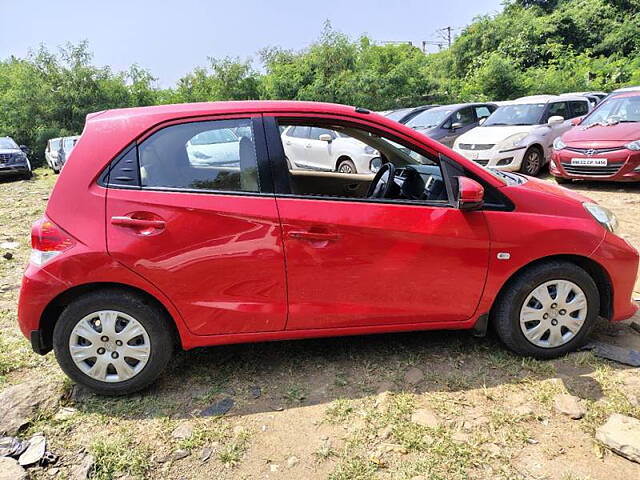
137,223
314,236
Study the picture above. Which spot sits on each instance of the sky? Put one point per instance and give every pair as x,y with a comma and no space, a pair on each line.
171,37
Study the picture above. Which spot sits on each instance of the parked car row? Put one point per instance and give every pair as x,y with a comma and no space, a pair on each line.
58,150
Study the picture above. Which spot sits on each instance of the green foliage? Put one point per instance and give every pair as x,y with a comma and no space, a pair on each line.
531,47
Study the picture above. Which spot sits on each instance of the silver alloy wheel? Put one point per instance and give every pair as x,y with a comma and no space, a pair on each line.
345,167
533,162
109,346
553,313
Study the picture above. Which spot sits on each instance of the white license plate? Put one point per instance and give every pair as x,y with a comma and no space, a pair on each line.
589,162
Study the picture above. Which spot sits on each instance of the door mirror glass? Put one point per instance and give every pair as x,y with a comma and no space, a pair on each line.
325,137
456,125
555,120
25,149
482,120
470,194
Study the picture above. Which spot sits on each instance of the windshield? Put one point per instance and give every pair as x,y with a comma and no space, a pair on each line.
615,110
220,135
7,142
69,143
516,114
397,115
429,118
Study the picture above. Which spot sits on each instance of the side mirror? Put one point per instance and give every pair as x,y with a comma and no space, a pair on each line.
25,149
455,126
325,137
482,120
470,194
555,120
576,121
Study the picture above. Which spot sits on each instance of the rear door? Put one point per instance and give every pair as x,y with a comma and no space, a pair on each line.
206,235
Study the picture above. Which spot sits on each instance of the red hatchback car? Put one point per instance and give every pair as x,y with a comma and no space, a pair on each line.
184,226
605,145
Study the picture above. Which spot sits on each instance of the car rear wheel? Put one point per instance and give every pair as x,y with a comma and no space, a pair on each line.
547,310
532,161
346,166
113,342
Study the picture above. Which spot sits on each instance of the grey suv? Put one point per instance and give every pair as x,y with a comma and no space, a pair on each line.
13,159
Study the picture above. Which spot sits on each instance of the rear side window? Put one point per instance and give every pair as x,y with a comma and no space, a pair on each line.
578,109
216,155
482,112
299,132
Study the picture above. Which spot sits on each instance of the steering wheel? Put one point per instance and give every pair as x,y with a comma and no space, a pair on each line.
383,181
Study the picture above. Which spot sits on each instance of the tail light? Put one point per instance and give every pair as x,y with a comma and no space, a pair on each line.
48,240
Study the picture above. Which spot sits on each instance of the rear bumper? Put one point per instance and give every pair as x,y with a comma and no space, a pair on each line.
622,166
620,260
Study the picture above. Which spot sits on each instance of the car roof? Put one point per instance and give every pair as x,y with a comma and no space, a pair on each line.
630,93
634,88
455,106
545,99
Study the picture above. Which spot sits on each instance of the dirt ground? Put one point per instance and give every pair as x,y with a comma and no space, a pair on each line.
432,405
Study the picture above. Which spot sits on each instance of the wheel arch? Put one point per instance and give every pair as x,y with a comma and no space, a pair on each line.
341,157
52,311
593,268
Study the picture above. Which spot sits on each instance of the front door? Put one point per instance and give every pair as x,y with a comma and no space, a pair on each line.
357,262
206,235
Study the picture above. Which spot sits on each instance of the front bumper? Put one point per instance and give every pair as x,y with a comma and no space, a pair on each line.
622,165
8,170
620,260
509,161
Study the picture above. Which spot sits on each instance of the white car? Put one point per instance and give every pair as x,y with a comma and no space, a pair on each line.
218,147
58,150
519,135
316,148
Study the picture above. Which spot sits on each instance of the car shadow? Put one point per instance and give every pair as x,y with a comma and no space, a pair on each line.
275,376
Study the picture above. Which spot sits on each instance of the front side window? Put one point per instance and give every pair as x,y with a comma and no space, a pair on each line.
212,155
464,117
578,109
559,109
346,166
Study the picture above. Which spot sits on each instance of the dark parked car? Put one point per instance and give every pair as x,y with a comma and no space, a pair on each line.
13,159
403,115
448,122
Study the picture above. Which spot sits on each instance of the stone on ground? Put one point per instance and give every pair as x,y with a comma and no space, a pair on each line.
426,417
19,404
622,435
414,376
569,405
11,470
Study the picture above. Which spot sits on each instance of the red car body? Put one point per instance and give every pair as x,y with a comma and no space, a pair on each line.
599,142
228,268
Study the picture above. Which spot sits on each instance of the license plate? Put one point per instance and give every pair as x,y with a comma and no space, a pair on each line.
473,156
589,162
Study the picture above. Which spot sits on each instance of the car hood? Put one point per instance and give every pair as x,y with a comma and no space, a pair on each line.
493,135
10,150
621,132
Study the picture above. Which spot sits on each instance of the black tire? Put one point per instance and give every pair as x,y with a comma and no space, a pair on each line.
532,161
346,166
505,315
153,319
28,175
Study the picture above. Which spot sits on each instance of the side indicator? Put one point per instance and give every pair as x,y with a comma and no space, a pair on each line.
504,256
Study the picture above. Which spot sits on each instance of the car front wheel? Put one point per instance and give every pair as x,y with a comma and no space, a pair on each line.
532,161
547,310
346,166
113,342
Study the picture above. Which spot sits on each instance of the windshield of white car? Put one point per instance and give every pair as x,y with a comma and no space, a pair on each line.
429,118
7,142
219,135
516,114
615,110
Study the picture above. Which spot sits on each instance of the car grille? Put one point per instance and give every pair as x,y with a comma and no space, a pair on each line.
593,151
476,146
592,171
5,157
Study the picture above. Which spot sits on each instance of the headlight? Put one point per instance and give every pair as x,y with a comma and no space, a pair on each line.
558,144
633,145
370,150
603,216
513,142
375,164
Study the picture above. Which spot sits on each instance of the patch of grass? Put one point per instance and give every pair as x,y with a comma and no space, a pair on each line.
203,434
338,411
118,454
232,452
356,468
295,394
